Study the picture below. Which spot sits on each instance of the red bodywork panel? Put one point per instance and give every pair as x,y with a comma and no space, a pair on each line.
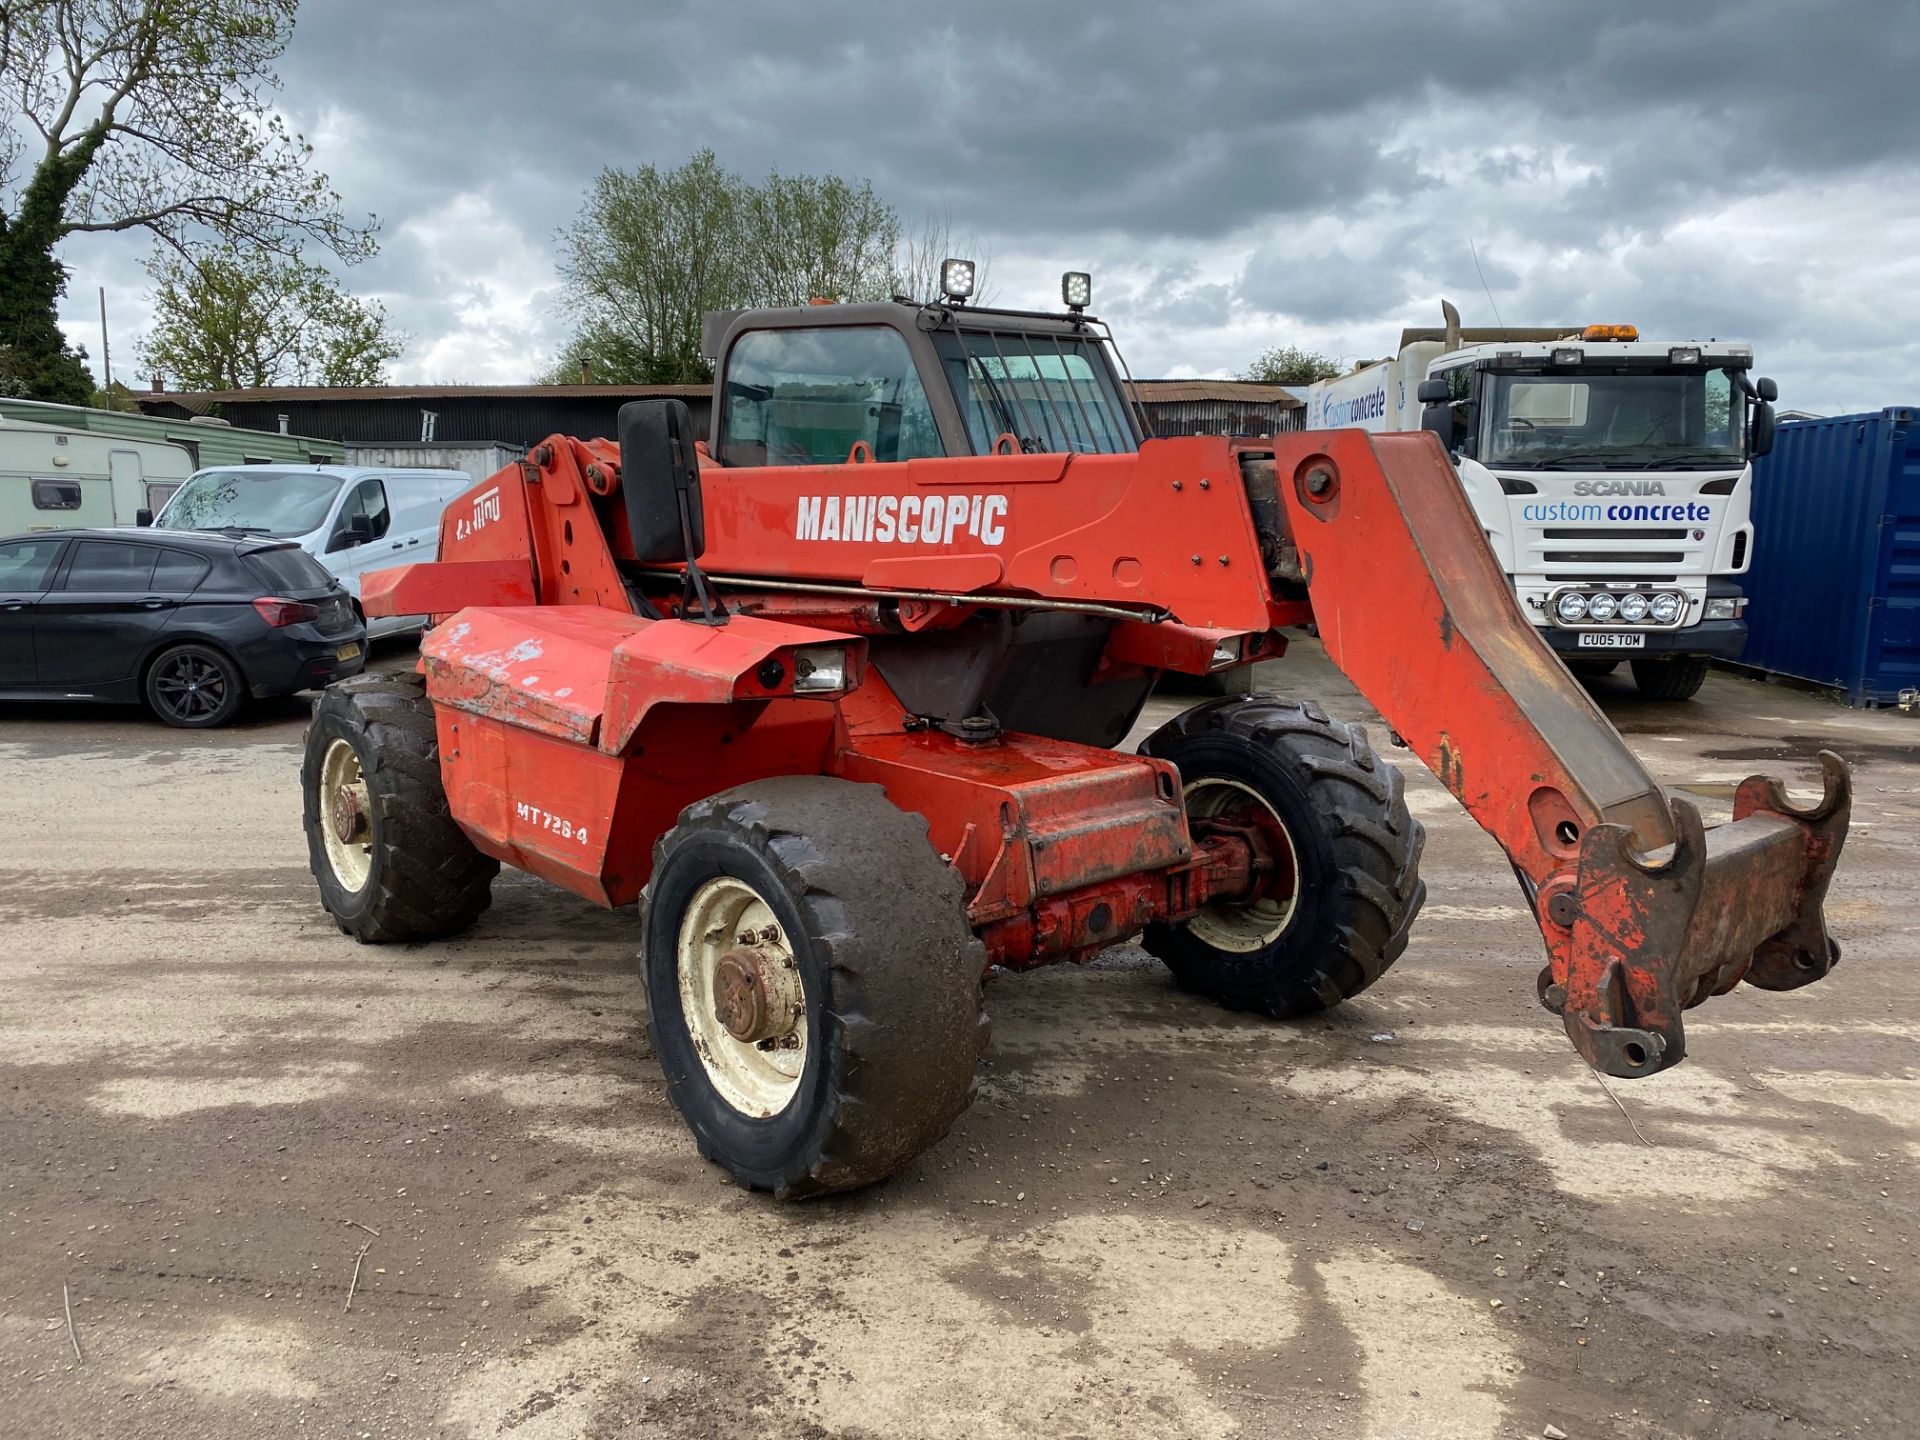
574,730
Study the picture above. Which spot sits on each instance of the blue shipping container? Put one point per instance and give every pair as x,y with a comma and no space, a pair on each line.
1835,582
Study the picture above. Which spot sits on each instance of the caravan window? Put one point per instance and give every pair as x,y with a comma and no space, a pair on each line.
56,494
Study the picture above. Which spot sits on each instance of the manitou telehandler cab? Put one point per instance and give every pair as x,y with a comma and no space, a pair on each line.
833,697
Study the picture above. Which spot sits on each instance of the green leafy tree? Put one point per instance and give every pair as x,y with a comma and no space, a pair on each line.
654,250
150,115
236,318
1290,365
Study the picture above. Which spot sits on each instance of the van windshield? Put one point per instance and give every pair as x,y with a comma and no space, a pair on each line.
281,503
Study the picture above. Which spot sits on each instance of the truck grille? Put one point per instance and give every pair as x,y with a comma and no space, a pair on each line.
1615,557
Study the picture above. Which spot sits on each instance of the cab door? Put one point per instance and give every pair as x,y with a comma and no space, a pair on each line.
26,567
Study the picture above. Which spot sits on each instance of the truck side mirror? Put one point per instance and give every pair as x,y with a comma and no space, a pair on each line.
143,518
660,477
1760,438
1432,392
1766,389
1440,419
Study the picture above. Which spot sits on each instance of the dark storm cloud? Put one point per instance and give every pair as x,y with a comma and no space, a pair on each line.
1328,163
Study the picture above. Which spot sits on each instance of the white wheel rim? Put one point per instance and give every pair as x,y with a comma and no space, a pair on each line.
727,917
346,816
1225,925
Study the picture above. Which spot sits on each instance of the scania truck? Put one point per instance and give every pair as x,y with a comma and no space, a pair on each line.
1610,473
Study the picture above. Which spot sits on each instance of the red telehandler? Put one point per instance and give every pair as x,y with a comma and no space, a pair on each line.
833,694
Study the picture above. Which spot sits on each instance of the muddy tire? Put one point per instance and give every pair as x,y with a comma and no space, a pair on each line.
1354,848
390,862
1676,677
865,1002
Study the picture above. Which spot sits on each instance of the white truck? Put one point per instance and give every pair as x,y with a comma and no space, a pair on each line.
1611,474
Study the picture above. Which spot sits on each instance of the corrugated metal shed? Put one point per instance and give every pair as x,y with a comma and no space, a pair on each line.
1219,407
1835,581
205,444
429,414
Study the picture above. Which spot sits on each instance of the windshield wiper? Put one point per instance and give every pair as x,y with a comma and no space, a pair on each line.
1613,459
233,529
1675,458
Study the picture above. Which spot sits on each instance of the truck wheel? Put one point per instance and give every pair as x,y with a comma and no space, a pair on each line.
391,863
1677,677
1329,929
813,986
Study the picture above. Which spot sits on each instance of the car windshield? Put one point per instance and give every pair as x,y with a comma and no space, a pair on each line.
281,503
1051,394
1630,420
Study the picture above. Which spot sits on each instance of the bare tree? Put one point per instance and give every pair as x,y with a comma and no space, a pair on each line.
916,272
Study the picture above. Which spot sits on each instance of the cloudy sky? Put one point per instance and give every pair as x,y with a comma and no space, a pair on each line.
1234,175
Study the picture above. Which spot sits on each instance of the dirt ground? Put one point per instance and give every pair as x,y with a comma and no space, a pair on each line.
1420,1216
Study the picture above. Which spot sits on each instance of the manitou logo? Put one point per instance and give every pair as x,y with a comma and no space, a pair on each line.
1618,487
486,510
901,519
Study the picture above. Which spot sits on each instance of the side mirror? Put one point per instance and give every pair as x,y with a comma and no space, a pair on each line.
1760,436
1766,389
143,518
660,478
1440,419
1432,392
359,531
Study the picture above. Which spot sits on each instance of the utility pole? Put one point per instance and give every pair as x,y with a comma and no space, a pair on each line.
106,356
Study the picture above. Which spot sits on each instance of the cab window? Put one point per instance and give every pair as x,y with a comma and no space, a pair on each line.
805,397
25,565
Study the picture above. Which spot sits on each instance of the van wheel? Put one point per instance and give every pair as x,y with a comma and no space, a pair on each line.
194,687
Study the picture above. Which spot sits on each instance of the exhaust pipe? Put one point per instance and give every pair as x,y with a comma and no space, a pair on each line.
1452,317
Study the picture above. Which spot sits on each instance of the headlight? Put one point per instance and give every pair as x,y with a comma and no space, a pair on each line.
1725,608
1601,607
1633,608
1571,607
1076,288
956,279
1225,654
1684,355
819,668
1666,608
1567,355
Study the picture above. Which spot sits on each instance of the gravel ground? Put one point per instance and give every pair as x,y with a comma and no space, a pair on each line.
1419,1216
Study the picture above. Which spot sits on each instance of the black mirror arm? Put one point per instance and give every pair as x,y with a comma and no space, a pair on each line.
693,587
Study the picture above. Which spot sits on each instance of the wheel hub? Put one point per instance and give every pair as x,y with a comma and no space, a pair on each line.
349,815
755,995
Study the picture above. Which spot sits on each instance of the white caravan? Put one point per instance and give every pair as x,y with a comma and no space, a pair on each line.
1611,474
52,478
351,518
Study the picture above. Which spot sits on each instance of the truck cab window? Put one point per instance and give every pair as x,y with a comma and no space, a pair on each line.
368,502
805,397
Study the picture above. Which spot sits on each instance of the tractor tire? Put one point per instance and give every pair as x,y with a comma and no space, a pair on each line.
865,997
1678,677
391,863
1355,853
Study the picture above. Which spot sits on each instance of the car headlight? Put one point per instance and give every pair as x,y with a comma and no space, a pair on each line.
1666,608
1601,607
1633,608
1571,607
819,668
1727,607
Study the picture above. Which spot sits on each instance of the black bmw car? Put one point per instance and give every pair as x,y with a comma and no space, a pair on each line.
191,624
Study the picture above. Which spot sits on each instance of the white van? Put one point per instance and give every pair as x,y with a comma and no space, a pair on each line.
351,518
53,478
